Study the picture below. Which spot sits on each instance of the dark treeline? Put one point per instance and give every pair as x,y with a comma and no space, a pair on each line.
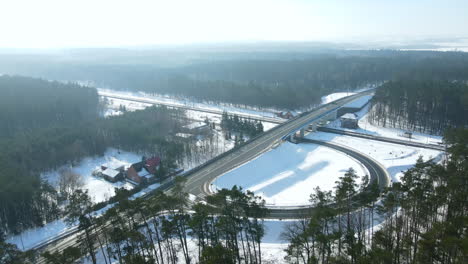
228,229
28,103
424,217
67,133
425,106
255,79
423,221
241,126
27,201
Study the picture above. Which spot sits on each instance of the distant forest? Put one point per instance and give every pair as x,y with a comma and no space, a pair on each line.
425,106
27,104
280,80
68,132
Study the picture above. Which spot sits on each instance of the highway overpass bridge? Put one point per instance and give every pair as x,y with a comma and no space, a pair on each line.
199,178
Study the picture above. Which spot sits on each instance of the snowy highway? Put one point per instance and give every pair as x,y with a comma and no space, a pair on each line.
377,172
216,111
199,179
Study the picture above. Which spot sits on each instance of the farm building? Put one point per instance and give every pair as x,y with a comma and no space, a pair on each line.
115,165
112,175
349,120
143,171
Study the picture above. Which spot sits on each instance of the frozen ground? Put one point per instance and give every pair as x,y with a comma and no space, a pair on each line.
112,109
288,174
396,158
272,245
334,96
113,106
202,116
34,236
98,188
368,128
254,111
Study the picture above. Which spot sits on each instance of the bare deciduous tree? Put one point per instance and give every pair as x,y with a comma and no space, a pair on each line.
69,182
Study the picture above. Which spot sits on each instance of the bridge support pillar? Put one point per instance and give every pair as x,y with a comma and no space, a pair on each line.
313,127
301,133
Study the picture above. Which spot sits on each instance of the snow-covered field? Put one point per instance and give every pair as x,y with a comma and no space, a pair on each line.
113,106
366,127
287,175
202,116
32,237
98,188
254,111
334,96
396,158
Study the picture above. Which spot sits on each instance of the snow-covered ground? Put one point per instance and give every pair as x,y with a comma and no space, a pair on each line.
98,188
254,111
113,106
335,96
287,175
202,116
272,245
396,158
366,127
34,236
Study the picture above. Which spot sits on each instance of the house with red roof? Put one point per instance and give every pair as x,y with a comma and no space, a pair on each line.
144,170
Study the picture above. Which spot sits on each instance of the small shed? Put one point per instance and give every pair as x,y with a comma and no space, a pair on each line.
197,127
349,120
112,175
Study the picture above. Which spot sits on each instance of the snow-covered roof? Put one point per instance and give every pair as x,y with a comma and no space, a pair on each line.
114,163
143,173
349,116
183,135
195,125
110,173
360,102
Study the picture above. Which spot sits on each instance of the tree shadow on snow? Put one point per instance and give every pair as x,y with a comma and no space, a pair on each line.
297,176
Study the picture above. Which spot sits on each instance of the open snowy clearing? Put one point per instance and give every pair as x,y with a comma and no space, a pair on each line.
202,116
334,96
35,236
254,111
287,175
367,128
98,189
396,158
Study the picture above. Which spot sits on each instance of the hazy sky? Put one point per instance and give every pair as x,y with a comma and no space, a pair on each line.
86,23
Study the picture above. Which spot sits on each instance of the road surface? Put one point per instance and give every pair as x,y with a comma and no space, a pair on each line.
376,170
138,99
199,178
383,139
